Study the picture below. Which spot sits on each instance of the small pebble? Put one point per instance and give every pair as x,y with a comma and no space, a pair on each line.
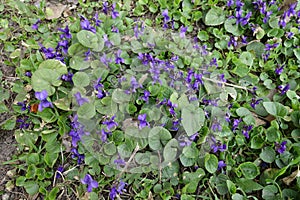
5,196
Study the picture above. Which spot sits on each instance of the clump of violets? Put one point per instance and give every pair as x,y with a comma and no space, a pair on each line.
280,147
44,103
90,182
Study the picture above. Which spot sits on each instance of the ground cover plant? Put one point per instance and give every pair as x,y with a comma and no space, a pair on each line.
153,99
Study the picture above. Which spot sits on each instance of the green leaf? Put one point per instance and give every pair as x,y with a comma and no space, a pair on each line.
257,142
203,36
211,163
79,63
257,47
187,162
33,158
248,185
276,109
9,124
50,158
231,27
31,172
272,134
31,187
242,112
81,79
231,186
86,111
53,193
45,79
190,151
247,58
269,192
241,70
48,115
249,170
192,119
170,150
158,137
119,96
214,17
55,65
268,155
87,39
106,106
297,53
110,148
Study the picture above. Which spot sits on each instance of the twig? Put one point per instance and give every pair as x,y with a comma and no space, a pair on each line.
221,82
128,162
159,166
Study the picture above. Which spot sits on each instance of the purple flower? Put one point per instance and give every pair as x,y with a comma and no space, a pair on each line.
246,131
67,77
217,145
105,7
23,122
87,55
97,20
165,15
244,39
35,26
88,180
110,124
270,47
279,70
28,74
176,124
280,148
146,95
183,30
76,154
23,105
44,103
105,60
63,45
80,100
66,33
255,102
120,162
142,120
114,29
221,164
104,135
106,41
284,89
115,190
232,41
266,56
216,126
118,58
114,13
289,35
134,84
59,170
230,3
236,123
85,25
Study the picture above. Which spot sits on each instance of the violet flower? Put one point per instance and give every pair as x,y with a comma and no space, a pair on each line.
35,26
216,126
183,30
87,55
110,124
280,148
23,105
105,60
134,84
23,122
67,77
59,170
118,58
146,95
106,41
221,164
230,3
85,25
105,7
96,19
104,135
236,123
66,33
88,180
114,13
76,154
284,89
44,103
255,102
246,131
217,145
279,70
142,119
28,74
80,100
115,190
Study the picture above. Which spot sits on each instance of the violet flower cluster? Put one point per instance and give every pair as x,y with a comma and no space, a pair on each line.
239,12
117,190
44,103
262,7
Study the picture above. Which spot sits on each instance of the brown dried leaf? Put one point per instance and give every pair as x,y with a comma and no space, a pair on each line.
55,11
289,179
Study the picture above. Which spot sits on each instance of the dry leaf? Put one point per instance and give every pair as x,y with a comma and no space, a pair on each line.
55,11
289,179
